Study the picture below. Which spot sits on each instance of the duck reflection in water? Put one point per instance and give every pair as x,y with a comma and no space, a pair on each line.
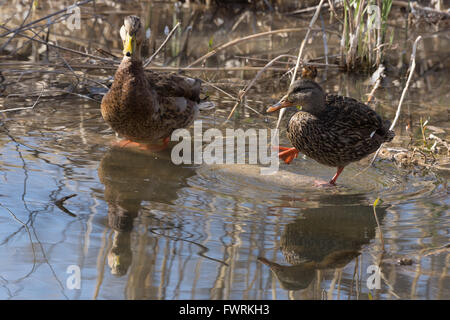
130,178
328,237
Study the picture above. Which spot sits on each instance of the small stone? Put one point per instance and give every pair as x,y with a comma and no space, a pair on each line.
405,261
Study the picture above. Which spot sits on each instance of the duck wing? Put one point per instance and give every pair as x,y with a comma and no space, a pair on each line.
350,114
174,85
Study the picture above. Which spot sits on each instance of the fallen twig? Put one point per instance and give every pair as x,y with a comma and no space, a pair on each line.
399,108
244,92
302,46
106,53
60,204
43,18
149,60
309,63
378,75
25,108
204,82
18,29
64,48
433,251
300,52
333,10
156,68
309,9
236,41
416,6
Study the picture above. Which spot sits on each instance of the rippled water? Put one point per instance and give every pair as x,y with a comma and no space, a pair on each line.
140,227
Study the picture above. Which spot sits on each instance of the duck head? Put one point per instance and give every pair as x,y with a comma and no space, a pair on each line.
306,95
132,35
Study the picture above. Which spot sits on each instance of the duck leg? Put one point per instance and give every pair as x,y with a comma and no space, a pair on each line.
287,154
332,182
338,172
144,146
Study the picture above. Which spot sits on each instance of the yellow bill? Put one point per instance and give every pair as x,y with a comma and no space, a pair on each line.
129,45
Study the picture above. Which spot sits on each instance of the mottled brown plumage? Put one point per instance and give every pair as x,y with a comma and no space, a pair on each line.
331,129
309,72
144,106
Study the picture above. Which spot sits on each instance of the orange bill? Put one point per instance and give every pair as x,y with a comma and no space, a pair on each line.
279,105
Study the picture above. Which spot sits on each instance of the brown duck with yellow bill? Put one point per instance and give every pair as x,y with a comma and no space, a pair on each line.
145,107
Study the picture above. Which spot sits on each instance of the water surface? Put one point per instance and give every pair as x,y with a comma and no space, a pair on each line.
141,227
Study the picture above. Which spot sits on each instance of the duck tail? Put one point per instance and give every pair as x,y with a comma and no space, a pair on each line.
390,134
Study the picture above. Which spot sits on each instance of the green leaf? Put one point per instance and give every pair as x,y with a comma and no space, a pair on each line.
391,40
210,43
377,202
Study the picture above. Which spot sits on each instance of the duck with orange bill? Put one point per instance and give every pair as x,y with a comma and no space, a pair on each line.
331,129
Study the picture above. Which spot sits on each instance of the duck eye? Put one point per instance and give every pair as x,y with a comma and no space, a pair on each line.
299,108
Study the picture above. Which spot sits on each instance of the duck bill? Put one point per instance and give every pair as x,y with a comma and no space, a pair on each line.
280,105
128,48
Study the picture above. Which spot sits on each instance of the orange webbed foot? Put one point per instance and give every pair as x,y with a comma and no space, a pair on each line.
287,154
